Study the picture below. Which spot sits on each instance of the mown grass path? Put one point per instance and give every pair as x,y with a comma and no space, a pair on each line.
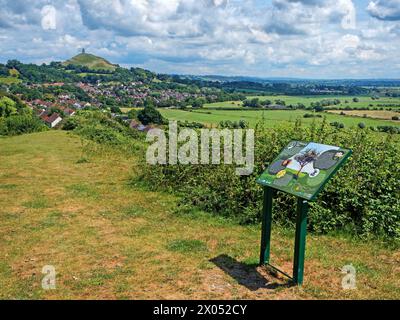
108,239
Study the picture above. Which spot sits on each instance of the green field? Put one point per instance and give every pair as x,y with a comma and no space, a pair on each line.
111,239
364,101
225,104
271,117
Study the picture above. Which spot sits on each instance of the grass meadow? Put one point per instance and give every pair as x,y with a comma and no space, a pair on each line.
364,101
270,118
111,239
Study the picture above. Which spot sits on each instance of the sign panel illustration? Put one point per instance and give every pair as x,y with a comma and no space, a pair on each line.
302,169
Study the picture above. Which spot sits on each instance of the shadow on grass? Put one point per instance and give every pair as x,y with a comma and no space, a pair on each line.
247,275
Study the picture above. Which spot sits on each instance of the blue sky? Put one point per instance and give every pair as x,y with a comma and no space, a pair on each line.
272,38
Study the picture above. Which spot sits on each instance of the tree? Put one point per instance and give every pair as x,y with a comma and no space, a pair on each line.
115,109
253,103
132,114
361,125
198,103
20,124
267,102
243,124
305,158
150,115
319,108
356,100
7,107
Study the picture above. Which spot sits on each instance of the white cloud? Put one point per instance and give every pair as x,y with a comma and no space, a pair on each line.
49,18
385,10
251,37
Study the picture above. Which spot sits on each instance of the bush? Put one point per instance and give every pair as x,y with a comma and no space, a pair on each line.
363,197
338,125
102,129
150,115
20,124
310,115
70,124
361,125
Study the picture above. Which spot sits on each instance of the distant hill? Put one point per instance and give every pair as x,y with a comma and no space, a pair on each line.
91,61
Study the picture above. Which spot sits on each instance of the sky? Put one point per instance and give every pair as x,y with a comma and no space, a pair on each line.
320,39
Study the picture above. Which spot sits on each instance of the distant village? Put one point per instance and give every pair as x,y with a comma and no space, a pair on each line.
53,111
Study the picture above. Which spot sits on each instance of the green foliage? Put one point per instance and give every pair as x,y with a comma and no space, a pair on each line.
190,124
362,198
241,124
338,125
198,103
116,109
132,114
20,124
150,115
16,118
100,128
7,107
312,115
71,124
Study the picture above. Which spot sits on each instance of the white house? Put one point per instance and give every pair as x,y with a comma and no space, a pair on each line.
52,120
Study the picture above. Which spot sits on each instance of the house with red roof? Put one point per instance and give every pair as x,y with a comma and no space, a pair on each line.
52,120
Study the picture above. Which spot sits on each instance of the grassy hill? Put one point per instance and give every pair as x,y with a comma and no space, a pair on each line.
109,239
91,61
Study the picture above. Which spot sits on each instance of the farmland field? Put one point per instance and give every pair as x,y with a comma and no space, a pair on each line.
364,101
271,117
225,104
376,114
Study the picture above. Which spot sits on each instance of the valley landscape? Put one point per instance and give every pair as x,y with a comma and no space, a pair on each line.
100,103
98,108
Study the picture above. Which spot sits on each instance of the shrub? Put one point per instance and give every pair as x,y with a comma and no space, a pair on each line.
363,197
150,115
310,115
70,124
361,125
20,124
99,127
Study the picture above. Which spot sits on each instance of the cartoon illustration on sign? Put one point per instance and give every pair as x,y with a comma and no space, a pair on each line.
302,169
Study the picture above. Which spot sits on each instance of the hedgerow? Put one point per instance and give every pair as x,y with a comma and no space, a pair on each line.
363,198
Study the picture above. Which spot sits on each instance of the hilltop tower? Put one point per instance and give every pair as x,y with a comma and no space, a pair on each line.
83,51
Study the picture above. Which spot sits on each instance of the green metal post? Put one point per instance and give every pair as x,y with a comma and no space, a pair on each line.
266,226
300,241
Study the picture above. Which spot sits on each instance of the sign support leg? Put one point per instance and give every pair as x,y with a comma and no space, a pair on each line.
300,241
266,226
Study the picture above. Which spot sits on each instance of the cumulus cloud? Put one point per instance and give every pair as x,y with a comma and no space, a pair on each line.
385,10
253,37
49,18
308,16
181,18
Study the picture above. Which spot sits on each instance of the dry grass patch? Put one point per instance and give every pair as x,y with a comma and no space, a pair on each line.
375,114
111,240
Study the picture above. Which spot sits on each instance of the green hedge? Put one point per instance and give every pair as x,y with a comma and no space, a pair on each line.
20,124
363,197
